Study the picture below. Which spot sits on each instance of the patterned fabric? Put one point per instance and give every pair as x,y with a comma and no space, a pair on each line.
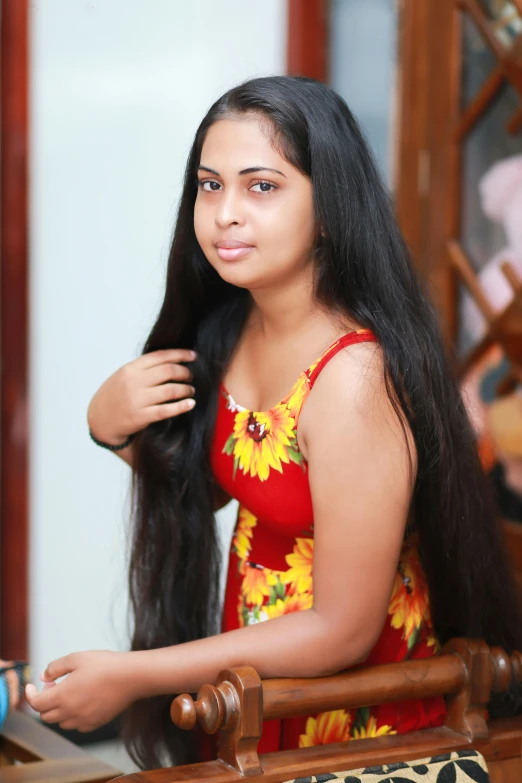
462,766
256,459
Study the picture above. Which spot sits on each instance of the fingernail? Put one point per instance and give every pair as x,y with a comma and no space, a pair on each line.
194,354
191,403
192,390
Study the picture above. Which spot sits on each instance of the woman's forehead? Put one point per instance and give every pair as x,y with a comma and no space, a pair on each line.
240,143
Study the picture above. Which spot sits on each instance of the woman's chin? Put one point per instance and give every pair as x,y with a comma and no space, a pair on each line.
240,275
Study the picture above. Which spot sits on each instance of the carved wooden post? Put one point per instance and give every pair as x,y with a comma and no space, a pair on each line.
238,741
467,707
234,707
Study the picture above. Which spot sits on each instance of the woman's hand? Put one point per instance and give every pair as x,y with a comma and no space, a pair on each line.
99,686
151,388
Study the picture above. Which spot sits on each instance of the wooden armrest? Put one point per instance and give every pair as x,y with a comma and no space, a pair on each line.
45,755
467,672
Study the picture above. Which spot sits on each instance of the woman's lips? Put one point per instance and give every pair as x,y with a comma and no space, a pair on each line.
233,253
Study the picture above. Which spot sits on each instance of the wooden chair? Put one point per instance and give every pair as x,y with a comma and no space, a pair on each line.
466,672
31,752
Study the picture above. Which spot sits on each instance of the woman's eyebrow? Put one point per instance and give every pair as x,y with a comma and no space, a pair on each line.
251,170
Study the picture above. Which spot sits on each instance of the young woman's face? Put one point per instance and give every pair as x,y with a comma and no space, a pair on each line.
249,194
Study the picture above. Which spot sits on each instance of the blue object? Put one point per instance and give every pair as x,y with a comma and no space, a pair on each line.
4,699
491,379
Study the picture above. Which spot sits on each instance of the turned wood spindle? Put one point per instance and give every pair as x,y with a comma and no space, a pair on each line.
214,709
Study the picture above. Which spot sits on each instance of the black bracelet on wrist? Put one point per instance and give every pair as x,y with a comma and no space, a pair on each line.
110,446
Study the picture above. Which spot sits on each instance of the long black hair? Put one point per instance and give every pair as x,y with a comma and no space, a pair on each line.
363,269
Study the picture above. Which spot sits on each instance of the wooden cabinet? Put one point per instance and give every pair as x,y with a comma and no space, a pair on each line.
460,111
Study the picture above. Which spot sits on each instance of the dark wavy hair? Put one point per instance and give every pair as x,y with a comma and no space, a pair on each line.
363,269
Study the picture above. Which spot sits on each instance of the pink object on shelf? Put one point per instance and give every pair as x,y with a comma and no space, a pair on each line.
501,195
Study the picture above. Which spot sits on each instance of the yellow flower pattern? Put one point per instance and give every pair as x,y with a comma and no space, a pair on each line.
242,540
294,603
299,575
371,729
409,607
263,441
341,726
325,728
256,584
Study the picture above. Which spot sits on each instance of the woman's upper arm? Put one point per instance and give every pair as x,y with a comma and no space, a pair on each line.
361,483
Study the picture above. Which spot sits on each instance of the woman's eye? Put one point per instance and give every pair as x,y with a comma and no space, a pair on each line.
211,183
266,187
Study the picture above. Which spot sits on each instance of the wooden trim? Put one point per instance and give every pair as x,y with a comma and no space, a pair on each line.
500,749
444,207
307,42
484,27
480,103
515,123
14,515
412,161
464,267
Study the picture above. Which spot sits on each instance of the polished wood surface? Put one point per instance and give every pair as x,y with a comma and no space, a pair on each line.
307,39
411,156
30,751
501,750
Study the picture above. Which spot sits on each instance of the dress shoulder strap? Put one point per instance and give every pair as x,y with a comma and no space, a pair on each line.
352,338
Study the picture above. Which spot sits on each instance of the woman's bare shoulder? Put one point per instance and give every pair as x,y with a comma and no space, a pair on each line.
352,390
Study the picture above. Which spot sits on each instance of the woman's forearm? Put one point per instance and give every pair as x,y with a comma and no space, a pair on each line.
302,644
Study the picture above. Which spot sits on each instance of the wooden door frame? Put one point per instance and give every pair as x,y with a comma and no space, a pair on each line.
427,108
307,38
412,158
14,329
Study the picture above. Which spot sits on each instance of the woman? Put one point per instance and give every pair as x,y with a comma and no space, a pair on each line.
324,405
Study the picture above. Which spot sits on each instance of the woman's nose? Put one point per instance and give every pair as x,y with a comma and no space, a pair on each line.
229,210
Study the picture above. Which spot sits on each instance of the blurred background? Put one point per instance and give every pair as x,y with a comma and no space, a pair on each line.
99,102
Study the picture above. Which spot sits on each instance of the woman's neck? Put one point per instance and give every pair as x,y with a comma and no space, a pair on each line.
288,309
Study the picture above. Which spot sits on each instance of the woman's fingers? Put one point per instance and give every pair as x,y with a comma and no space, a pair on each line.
52,716
166,373
173,355
70,724
41,702
59,668
170,409
168,392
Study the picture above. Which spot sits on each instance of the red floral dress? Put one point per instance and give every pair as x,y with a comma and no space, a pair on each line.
256,459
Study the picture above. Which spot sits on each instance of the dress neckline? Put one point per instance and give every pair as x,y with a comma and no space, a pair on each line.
303,376
242,408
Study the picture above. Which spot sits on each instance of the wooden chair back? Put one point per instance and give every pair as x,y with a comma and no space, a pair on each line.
467,673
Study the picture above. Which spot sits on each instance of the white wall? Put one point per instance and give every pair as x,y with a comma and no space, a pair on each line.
118,89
